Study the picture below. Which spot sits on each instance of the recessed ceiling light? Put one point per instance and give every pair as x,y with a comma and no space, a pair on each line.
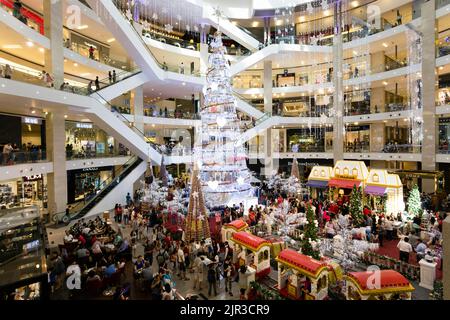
65,116
255,24
29,44
12,46
184,83
301,19
234,23
42,50
82,27
75,64
385,45
326,13
354,4
441,68
110,40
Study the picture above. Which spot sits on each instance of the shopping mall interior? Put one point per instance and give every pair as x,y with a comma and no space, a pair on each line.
224,150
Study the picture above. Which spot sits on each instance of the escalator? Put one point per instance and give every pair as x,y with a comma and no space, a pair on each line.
108,186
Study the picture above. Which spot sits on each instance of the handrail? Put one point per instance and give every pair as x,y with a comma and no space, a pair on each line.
108,182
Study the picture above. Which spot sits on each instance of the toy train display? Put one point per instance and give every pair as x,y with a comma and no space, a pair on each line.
301,277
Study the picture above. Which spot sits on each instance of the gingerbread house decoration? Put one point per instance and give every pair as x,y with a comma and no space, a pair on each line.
378,285
252,251
382,184
232,227
302,277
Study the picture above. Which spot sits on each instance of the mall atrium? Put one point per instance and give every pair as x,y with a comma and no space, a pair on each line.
224,149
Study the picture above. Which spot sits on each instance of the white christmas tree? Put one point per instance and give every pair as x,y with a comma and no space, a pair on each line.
220,156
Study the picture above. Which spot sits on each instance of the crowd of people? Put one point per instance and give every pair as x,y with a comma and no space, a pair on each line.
13,154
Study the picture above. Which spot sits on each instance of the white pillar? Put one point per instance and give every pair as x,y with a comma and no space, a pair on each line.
428,92
57,180
138,108
338,97
53,29
204,54
269,164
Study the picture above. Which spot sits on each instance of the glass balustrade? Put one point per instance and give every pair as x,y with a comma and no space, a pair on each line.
18,156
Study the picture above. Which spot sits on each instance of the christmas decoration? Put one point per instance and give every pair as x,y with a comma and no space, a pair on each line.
309,242
163,173
414,202
294,171
356,207
224,174
197,226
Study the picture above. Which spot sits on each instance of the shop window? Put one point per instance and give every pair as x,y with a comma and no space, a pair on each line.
322,173
376,178
260,257
355,172
322,283
266,254
315,173
346,172
337,171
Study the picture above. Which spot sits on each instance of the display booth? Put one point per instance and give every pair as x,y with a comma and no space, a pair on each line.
253,251
345,175
318,181
301,277
386,191
232,227
379,285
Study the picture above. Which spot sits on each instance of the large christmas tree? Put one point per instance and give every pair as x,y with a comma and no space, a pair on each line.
197,224
356,207
220,155
414,202
309,243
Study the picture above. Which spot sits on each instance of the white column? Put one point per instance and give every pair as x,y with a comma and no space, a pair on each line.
57,180
377,136
53,29
204,58
338,97
428,92
138,108
268,156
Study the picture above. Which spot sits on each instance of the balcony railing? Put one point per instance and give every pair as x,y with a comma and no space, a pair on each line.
21,157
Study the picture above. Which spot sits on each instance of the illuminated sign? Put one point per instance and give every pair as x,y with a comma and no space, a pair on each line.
82,125
29,120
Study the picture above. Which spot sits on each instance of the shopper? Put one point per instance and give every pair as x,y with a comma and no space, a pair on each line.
91,52
7,72
212,279
114,76
228,275
97,84
405,249
110,77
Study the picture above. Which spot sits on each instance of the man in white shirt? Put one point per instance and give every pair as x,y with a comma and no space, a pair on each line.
68,238
405,249
181,263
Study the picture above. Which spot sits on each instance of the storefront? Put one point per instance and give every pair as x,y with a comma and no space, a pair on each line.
25,192
357,138
26,134
310,139
84,139
444,135
84,183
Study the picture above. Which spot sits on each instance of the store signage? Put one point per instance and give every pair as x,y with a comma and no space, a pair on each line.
33,178
29,120
90,169
83,125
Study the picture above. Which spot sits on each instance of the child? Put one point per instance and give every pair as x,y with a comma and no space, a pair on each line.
242,295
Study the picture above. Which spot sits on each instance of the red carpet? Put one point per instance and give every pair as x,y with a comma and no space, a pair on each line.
389,249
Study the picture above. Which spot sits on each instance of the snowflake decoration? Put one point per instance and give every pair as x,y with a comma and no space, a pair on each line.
155,16
196,28
188,28
195,194
323,118
168,28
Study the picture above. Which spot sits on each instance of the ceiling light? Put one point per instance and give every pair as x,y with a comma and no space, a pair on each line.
441,68
75,64
385,45
326,13
255,24
29,44
279,23
42,50
12,46
82,27
33,111
65,116
184,83
110,40
355,52
234,23
354,4
153,125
